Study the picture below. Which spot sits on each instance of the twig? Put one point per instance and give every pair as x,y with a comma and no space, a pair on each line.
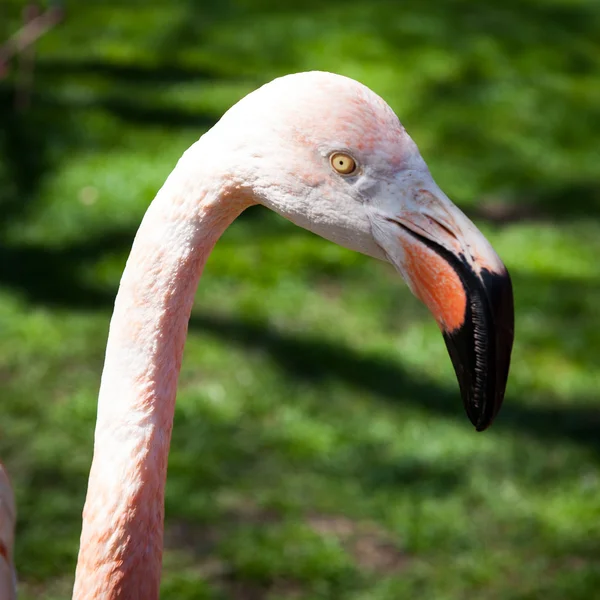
26,63
28,34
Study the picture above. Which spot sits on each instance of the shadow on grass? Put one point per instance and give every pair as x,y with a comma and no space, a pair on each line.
119,73
315,360
53,277
26,158
578,200
135,111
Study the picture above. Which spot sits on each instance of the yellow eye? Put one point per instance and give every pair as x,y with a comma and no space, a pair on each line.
343,163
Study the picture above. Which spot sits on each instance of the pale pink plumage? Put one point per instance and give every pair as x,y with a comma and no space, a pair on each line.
271,148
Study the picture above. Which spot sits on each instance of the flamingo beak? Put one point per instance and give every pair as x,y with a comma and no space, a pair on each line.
452,268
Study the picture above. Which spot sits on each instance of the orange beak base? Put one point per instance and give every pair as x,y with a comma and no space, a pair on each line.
476,315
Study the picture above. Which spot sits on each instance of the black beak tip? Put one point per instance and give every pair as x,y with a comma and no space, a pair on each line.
481,348
482,424
481,417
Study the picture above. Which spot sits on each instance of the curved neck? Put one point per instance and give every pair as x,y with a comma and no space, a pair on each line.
121,542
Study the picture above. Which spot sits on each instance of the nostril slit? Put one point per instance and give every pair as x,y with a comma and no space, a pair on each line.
444,227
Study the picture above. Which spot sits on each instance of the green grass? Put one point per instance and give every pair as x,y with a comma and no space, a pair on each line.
320,449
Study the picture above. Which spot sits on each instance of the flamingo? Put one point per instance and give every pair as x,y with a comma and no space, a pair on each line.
7,533
330,155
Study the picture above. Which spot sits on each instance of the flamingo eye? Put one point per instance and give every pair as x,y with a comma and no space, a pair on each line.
343,163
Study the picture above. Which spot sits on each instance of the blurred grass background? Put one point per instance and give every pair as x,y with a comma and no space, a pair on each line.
320,449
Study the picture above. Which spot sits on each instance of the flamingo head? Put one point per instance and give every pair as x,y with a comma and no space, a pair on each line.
330,155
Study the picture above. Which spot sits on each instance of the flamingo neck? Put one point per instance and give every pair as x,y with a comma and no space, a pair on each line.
122,538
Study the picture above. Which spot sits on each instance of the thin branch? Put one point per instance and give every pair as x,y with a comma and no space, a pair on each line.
30,33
